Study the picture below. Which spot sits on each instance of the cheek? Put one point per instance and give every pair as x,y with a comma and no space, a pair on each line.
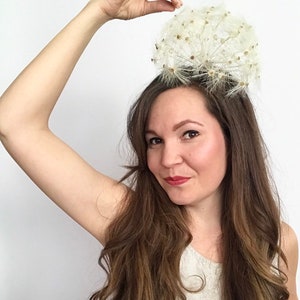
210,156
152,162
218,158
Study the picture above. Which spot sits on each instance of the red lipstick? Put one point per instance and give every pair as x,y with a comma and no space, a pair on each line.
176,180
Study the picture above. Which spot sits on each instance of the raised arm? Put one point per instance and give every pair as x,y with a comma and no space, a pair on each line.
88,196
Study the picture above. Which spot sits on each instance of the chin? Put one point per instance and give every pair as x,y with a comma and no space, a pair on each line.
180,201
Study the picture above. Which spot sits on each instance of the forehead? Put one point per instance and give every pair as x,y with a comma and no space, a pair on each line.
177,104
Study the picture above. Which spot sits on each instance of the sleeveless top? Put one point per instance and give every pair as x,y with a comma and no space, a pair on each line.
196,270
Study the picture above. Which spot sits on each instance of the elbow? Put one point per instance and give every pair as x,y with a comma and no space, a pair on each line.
18,122
11,124
7,123
3,130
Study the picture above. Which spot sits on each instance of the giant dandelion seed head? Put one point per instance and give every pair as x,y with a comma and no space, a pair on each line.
209,42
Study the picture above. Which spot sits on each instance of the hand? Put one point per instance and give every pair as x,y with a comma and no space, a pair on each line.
129,9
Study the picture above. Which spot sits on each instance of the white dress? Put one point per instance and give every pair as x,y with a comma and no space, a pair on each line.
194,268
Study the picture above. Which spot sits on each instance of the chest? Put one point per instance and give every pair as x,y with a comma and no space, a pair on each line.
197,272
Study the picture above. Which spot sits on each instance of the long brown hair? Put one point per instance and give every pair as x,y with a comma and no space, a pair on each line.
145,242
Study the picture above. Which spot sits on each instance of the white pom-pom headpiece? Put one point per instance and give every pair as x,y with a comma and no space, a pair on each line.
208,42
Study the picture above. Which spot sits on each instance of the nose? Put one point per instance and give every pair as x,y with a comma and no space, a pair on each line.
171,155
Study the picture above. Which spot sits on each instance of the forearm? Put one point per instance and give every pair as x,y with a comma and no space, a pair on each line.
30,99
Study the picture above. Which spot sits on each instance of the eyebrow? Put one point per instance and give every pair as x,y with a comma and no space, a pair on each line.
177,126
184,122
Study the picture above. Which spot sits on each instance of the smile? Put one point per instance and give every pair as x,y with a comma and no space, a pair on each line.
176,180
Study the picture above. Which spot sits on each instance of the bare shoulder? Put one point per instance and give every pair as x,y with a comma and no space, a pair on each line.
289,244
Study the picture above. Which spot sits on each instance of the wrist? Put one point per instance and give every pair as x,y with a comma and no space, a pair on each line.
96,14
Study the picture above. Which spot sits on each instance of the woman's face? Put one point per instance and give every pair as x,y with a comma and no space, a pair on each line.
186,148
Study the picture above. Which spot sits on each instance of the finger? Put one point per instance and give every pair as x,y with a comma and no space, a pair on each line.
162,5
176,3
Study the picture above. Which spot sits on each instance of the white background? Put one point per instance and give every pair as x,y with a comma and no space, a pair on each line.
43,253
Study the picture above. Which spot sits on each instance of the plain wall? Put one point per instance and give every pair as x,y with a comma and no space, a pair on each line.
43,253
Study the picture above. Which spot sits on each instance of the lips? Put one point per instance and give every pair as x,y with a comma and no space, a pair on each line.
176,180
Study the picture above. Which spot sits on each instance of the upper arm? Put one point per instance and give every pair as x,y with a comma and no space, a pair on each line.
289,244
89,197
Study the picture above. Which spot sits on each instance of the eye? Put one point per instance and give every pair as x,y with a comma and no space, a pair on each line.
190,134
154,141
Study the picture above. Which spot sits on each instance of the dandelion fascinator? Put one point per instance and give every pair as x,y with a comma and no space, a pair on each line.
208,42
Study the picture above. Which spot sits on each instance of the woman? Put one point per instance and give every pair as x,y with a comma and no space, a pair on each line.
200,188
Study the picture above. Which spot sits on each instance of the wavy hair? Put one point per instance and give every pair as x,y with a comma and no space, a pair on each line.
145,242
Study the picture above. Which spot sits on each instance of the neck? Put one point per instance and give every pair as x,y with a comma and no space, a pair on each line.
205,216
205,227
